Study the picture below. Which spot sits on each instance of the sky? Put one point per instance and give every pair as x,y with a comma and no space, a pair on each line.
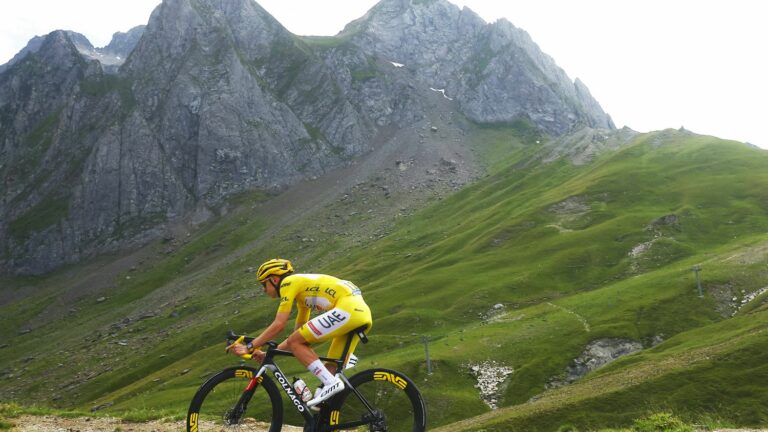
651,64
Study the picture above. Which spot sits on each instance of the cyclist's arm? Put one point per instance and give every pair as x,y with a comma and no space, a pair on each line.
273,330
302,316
288,293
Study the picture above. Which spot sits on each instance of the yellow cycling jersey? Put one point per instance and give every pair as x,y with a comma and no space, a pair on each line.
314,292
340,301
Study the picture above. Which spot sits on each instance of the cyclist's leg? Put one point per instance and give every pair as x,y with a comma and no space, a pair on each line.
336,323
361,317
349,314
326,326
301,349
336,349
300,341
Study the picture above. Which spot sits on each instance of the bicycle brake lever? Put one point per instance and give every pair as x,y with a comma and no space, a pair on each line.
229,347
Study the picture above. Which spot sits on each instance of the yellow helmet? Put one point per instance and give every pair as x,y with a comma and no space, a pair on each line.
275,266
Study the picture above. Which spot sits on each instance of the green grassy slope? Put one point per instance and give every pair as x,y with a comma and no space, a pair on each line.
573,253
570,277
712,374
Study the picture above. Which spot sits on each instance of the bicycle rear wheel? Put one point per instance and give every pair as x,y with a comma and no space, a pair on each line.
396,401
232,401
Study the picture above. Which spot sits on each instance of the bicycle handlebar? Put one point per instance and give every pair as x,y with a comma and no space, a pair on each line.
234,339
236,342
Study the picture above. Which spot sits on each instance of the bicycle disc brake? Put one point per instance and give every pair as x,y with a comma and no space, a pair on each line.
232,416
378,421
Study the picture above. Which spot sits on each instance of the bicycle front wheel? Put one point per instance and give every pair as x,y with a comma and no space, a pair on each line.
233,400
395,401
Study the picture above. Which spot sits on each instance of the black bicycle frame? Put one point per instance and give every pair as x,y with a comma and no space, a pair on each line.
282,380
298,403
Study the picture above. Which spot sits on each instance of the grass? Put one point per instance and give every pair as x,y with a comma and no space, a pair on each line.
565,273
365,71
11,411
99,86
47,212
325,42
497,233
34,146
725,356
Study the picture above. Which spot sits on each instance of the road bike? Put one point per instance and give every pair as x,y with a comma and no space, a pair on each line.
244,398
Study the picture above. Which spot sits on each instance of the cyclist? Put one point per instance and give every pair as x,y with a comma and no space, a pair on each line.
343,310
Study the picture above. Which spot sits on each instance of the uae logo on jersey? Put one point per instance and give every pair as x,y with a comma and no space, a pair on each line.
328,322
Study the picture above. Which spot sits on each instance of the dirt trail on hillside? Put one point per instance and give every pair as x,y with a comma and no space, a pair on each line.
89,424
93,424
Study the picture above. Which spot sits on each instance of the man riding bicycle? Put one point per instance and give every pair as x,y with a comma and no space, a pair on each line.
343,310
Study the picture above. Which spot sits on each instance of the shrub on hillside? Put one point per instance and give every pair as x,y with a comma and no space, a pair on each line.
8,411
661,422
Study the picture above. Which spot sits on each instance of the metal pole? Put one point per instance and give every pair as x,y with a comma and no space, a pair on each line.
425,339
696,269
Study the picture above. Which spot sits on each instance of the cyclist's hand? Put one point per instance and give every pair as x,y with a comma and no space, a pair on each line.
238,349
258,355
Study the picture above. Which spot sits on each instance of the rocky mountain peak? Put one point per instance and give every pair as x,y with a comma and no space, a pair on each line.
391,21
111,57
81,42
388,9
211,27
61,45
123,43
217,98
494,71
32,46
54,56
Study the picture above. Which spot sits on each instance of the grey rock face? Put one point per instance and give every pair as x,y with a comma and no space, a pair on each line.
583,145
496,72
33,46
597,353
81,42
101,146
36,112
112,56
122,44
600,353
247,107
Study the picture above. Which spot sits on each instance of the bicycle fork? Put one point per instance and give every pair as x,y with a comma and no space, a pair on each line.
233,416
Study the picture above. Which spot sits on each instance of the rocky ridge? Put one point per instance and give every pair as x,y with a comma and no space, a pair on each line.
216,97
110,57
495,71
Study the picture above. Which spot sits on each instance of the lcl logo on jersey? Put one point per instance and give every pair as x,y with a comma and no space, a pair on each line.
328,322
